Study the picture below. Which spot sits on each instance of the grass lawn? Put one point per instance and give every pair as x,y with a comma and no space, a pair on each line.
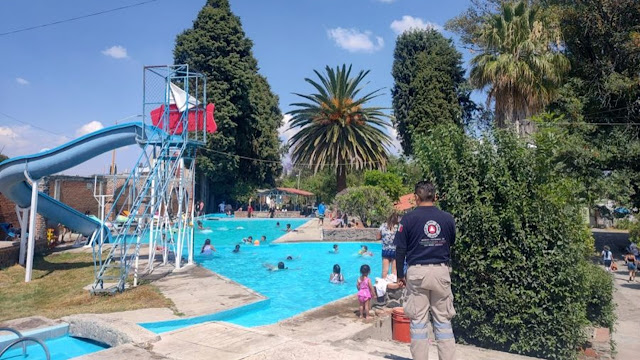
56,290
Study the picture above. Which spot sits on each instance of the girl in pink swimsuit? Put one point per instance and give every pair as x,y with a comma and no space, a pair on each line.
365,290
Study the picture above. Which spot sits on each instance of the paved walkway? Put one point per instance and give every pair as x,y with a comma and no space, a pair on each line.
627,329
626,296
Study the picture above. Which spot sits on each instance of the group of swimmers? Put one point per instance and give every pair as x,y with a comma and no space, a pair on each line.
208,248
249,240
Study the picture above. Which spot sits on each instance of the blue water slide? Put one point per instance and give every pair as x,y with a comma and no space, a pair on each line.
14,184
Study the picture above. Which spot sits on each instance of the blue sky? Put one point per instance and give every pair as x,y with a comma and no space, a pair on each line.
78,76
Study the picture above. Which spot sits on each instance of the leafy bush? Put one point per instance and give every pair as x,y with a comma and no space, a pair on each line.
600,305
389,182
369,203
521,276
623,224
634,232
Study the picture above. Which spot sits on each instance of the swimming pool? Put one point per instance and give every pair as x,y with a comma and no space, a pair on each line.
60,348
305,285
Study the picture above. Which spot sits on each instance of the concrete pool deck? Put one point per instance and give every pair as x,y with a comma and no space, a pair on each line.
307,232
328,332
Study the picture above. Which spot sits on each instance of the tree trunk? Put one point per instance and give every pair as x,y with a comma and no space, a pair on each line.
341,177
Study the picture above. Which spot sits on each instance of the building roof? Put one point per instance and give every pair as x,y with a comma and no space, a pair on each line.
287,191
406,202
295,191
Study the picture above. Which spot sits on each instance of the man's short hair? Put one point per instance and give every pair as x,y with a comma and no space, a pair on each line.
425,191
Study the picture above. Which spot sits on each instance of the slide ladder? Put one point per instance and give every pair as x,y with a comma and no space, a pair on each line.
113,270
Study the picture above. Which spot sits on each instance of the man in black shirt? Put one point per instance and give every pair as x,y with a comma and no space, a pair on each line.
424,239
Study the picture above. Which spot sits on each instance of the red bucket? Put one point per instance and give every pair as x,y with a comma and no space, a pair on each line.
400,325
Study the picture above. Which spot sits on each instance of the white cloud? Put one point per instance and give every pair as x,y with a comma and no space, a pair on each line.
409,22
22,81
354,40
89,128
396,147
116,52
284,132
24,140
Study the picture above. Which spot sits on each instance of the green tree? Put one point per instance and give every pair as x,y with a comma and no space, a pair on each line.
518,63
428,87
247,112
602,41
336,128
369,203
387,181
522,279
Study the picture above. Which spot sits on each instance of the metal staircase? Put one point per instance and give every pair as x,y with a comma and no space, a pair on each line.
166,163
125,247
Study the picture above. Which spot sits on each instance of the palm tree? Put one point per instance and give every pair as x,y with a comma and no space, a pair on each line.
336,129
518,63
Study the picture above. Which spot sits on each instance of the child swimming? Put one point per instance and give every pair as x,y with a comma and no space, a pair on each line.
365,290
336,277
364,251
280,266
237,249
335,249
207,248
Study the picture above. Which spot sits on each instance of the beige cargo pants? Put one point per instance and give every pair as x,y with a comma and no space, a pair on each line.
429,291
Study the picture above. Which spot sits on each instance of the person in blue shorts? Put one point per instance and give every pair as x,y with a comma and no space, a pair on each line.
387,233
632,265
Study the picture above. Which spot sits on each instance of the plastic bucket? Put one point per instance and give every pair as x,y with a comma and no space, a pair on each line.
400,326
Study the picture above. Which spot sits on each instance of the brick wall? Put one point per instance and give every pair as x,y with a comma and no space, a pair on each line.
8,211
8,215
76,192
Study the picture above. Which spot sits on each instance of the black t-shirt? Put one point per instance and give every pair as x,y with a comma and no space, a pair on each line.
427,234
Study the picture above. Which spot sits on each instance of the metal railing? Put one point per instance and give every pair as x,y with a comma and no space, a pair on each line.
24,339
20,336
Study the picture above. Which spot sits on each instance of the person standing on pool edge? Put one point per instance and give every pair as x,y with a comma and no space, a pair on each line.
425,237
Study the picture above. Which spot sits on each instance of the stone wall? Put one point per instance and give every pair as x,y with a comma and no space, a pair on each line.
349,234
9,255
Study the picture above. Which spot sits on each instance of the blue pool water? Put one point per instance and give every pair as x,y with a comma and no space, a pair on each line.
61,348
305,285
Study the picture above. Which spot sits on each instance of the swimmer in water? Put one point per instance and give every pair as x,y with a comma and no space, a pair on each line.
207,248
335,249
237,249
280,266
364,251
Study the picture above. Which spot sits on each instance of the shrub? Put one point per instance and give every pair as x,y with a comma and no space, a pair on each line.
521,276
600,305
634,232
370,203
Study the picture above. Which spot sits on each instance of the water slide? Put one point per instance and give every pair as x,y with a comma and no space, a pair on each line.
13,172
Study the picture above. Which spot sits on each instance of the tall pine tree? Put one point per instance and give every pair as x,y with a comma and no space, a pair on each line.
428,75
247,112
